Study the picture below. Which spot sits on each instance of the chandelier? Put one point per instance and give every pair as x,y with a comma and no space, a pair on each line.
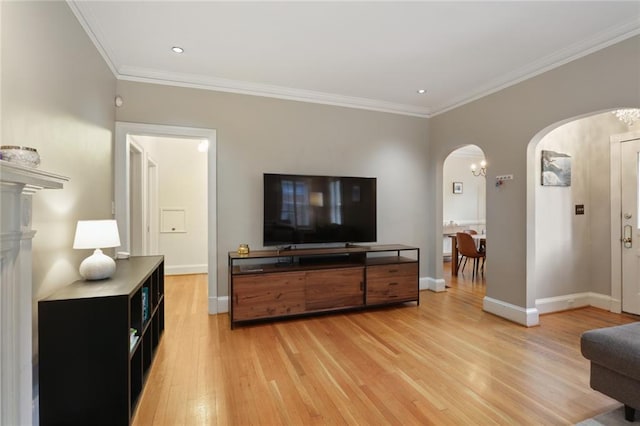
479,172
628,115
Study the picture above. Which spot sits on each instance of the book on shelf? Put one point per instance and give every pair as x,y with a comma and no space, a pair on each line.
133,338
145,304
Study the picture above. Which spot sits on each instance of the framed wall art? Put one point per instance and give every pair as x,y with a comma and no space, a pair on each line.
457,187
556,169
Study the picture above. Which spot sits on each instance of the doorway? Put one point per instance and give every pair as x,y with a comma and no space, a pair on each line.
464,196
572,235
123,203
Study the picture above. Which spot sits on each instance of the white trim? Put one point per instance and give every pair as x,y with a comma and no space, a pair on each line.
549,62
433,284
616,222
121,183
142,75
524,316
95,39
185,269
571,301
18,389
221,304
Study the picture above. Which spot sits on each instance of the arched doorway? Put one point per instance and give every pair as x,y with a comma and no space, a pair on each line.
464,197
570,223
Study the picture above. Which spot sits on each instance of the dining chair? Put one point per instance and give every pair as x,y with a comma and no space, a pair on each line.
467,249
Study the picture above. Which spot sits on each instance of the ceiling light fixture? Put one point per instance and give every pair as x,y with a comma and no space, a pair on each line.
628,115
422,91
177,49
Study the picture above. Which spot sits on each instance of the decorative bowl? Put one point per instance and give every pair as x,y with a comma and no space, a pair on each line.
23,155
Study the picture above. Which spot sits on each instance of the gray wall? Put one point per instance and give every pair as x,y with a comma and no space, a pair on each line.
57,96
559,231
503,124
257,135
572,251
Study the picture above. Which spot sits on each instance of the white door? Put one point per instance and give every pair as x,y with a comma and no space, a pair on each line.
630,233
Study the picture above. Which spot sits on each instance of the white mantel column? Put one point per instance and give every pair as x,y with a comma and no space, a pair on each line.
17,186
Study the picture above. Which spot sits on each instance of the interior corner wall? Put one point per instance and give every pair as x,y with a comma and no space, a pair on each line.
257,135
503,124
572,250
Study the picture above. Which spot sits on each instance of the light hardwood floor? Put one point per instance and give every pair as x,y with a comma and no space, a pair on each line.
442,362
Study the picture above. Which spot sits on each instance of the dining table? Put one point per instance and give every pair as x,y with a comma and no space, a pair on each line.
480,240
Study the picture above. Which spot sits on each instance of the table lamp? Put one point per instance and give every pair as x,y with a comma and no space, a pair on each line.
97,234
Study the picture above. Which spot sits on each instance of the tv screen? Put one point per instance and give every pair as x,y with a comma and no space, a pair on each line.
301,209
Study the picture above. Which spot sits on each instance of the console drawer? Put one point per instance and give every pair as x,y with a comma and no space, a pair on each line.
392,270
268,295
392,283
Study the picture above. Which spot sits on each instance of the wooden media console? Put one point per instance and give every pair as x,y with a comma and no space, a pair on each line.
270,284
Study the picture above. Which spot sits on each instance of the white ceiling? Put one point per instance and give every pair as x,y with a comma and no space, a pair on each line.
371,55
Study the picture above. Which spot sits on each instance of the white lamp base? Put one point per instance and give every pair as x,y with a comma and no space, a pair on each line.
98,266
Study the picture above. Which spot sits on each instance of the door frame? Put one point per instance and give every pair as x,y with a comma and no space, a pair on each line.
121,188
151,216
616,220
137,208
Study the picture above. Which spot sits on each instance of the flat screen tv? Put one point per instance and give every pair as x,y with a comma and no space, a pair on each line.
300,209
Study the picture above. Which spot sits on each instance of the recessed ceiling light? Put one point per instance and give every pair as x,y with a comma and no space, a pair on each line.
177,49
422,91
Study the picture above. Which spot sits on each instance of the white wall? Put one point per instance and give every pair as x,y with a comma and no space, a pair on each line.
182,184
573,251
467,208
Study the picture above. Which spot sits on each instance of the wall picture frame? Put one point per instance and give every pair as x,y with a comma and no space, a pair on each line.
457,187
555,168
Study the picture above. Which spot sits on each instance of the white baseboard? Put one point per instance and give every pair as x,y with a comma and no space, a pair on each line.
185,269
223,304
527,317
213,305
218,305
518,314
616,305
433,284
576,300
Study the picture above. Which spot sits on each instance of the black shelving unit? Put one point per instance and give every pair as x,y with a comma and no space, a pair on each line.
92,368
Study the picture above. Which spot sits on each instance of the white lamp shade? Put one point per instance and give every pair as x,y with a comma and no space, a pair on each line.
93,234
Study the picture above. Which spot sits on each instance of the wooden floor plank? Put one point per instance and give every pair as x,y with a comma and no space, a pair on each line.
442,362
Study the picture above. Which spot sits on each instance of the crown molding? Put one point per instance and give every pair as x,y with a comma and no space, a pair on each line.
257,89
547,63
104,52
561,57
